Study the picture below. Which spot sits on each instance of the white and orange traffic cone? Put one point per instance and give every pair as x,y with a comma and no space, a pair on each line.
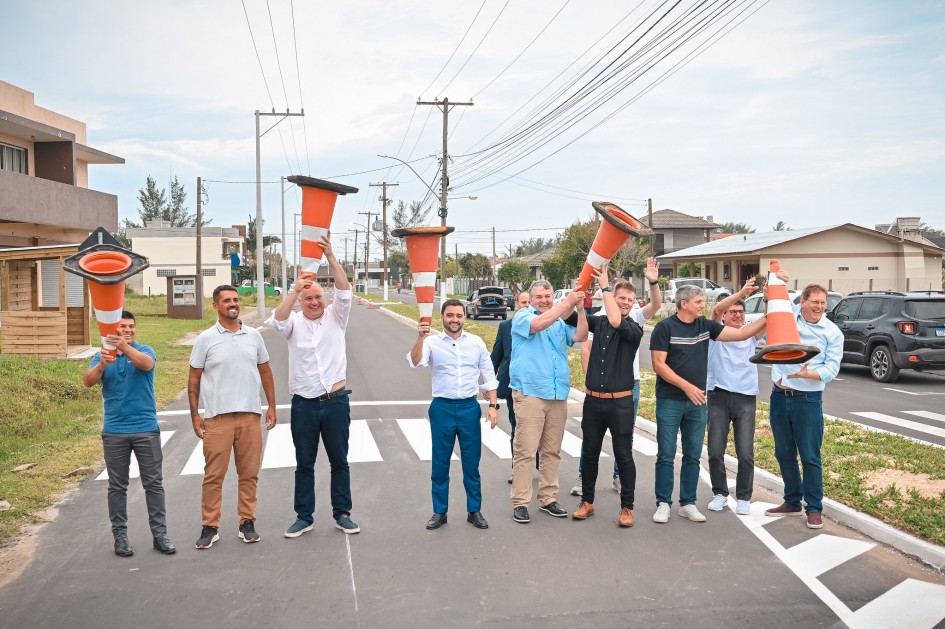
318,207
614,231
783,343
106,266
423,246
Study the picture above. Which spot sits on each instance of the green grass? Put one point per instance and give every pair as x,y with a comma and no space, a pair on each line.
51,420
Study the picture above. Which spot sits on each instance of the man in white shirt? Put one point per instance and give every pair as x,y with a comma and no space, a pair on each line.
458,360
320,408
732,387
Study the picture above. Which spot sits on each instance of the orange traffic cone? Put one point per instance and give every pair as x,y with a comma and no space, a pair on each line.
423,246
106,266
614,231
318,206
370,305
783,345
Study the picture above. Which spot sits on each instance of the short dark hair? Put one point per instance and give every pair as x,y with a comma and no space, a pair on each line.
219,289
127,315
452,302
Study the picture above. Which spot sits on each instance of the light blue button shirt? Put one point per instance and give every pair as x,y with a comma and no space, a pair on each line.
457,365
539,366
825,335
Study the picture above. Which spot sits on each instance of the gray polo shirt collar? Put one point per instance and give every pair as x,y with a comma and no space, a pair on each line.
223,330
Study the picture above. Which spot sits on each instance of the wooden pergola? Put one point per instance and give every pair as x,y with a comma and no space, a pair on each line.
26,326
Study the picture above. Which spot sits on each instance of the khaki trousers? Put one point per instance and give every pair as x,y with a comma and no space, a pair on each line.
241,433
539,426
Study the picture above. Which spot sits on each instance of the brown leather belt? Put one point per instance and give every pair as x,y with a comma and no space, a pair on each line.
601,394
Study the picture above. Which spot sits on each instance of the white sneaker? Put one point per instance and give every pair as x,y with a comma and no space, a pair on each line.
691,512
616,484
662,513
578,489
718,503
743,507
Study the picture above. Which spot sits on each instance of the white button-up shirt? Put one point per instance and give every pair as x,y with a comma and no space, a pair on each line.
457,365
316,348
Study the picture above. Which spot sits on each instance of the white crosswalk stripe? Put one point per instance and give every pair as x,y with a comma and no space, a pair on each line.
938,417
902,423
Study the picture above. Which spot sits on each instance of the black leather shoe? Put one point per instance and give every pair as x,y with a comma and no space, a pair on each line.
164,545
476,519
553,508
122,547
436,521
520,515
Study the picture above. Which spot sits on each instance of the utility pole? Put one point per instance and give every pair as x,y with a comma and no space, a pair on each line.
495,280
367,248
346,239
649,222
384,185
355,256
198,283
295,246
444,105
260,279
282,264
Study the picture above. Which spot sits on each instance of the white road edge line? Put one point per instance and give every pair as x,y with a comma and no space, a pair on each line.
354,589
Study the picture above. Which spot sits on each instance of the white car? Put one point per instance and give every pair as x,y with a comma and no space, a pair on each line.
560,294
713,292
755,305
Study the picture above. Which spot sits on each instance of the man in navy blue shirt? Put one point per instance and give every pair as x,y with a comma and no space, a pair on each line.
130,426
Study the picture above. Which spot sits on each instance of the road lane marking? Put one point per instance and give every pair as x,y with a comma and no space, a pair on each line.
417,432
571,444
911,392
902,423
133,470
496,440
351,403
938,417
362,448
279,449
912,603
194,464
824,552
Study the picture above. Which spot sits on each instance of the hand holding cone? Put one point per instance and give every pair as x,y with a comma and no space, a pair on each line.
783,340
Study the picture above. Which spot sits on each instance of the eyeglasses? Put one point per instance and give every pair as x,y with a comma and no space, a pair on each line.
736,312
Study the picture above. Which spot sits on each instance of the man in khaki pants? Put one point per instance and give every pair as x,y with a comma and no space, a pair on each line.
228,363
540,377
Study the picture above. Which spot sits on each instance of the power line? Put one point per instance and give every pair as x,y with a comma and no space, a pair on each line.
298,74
462,39
285,93
446,87
253,39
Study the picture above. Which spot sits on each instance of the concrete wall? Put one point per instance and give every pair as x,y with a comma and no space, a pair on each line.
179,254
23,103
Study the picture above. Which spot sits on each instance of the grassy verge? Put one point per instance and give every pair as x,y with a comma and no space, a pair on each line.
51,420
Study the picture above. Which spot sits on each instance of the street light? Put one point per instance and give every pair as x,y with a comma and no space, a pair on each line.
367,253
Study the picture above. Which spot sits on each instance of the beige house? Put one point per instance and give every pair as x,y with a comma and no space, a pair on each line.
844,258
172,251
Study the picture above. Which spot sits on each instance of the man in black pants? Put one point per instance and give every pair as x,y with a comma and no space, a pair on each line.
609,400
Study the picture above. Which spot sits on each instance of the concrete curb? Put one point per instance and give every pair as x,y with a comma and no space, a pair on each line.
905,543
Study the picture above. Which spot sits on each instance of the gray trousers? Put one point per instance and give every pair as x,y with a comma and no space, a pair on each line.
736,409
147,449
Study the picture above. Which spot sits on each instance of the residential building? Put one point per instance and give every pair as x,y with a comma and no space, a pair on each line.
844,258
673,231
172,251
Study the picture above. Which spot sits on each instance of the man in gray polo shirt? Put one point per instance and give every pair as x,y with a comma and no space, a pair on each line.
228,364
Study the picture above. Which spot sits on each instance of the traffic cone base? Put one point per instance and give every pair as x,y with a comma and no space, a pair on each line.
615,228
423,247
783,341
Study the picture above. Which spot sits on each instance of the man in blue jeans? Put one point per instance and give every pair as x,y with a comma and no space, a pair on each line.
679,347
797,414
458,361
320,408
130,426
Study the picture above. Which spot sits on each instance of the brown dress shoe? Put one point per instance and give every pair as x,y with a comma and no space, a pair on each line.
784,509
626,517
814,521
584,511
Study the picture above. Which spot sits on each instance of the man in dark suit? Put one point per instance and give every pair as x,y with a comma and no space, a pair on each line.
502,356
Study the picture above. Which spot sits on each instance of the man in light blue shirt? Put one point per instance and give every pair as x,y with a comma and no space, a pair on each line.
540,379
458,360
797,418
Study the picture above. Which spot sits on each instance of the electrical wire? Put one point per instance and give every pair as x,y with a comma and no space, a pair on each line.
285,93
253,39
472,54
455,50
298,74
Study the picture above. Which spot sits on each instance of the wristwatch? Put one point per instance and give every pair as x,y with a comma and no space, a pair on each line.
495,406
606,289
654,283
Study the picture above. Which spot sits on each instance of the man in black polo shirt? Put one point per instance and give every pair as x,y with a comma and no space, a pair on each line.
609,400
679,347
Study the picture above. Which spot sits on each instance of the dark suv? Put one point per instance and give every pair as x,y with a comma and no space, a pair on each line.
489,300
889,331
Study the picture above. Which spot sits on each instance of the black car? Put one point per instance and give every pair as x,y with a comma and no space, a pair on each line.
889,331
489,300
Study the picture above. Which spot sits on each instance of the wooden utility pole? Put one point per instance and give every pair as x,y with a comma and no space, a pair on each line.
384,185
444,105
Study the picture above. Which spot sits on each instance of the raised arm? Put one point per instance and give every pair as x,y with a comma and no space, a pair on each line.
722,307
652,274
337,271
564,307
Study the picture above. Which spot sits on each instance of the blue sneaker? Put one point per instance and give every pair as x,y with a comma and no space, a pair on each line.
299,527
345,523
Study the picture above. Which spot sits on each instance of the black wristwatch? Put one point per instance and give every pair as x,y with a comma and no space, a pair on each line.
495,406
606,289
654,283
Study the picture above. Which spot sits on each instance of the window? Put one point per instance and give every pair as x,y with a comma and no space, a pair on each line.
208,272
872,308
846,310
166,272
843,268
872,268
13,158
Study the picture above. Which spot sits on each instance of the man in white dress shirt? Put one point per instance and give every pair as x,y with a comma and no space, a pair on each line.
458,360
320,408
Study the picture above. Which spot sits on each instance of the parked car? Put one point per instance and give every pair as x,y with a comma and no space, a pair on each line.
560,294
889,331
713,292
269,289
755,305
489,300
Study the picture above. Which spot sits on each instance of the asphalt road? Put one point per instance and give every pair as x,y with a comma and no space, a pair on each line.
727,572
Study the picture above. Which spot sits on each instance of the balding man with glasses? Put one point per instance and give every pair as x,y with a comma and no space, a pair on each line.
732,390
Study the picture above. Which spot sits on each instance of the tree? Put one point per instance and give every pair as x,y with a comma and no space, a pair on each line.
151,201
154,206
516,273
781,227
402,217
251,240
554,271
475,265
735,228
533,245
575,243
177,213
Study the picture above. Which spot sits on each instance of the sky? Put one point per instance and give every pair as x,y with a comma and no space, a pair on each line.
807,112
